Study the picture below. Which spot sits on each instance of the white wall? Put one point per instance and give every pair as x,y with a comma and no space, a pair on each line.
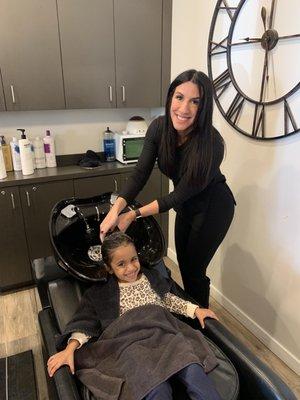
256,272
75,131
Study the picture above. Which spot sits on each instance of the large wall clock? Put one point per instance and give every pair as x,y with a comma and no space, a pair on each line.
254,63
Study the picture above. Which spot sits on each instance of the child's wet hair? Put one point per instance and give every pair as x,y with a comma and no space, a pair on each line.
111,243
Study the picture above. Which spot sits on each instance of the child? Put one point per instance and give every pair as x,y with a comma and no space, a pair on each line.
142,344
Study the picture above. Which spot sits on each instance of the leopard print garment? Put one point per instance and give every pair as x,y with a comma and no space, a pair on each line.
140,293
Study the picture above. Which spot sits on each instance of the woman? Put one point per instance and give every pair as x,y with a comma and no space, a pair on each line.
189,150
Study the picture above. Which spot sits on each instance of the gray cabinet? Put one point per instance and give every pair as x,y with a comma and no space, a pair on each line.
2,102
30,55
88,54
37,202
138,44
14,260
115,53
94,186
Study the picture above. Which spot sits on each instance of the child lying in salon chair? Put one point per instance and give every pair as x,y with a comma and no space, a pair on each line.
124,343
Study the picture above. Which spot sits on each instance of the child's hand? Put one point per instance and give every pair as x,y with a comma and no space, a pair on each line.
202,313
65,357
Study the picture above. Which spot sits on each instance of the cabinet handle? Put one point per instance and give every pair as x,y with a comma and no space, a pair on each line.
28,199
12,201
123,94
116,185
34,188
3,192
12,94
110,94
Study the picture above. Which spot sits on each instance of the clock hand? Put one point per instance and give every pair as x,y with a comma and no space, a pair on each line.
272,14
247,41
265,76
263,14
289,36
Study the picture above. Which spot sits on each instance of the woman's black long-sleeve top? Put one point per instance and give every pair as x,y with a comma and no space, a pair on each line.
186,199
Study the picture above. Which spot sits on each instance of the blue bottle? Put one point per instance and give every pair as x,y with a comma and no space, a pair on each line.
109,145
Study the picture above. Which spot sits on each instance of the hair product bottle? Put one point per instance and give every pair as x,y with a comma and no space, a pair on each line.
25,154
32,154
3,173
109,145
39,153
49,147
6,154
15,153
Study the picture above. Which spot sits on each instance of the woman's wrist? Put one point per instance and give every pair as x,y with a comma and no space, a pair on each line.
119,205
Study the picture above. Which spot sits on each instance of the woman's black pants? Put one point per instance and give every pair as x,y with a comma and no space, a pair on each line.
196,243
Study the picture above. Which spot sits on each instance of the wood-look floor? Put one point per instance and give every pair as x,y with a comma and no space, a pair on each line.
19,331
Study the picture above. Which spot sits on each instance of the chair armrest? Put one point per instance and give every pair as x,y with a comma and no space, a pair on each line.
257,380
63,379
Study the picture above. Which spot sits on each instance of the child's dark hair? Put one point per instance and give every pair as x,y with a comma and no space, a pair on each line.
112,242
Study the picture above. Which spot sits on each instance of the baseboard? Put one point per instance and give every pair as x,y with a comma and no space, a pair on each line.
172,255
285,355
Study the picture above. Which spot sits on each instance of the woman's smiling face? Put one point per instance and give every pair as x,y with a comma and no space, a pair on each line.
184,106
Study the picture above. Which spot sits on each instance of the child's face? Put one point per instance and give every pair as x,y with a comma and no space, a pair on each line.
125,264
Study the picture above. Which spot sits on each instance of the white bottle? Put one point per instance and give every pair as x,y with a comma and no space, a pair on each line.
25,154
49,147
39,153
3,173
15,153
32,154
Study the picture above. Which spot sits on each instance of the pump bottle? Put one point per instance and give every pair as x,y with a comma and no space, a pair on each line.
25,154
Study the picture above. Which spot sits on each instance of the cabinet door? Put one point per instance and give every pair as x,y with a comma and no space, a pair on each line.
87,43
30,55
14,261
138,37
2,102
90,187
37,202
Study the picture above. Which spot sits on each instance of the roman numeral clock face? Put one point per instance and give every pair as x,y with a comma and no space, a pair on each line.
254,63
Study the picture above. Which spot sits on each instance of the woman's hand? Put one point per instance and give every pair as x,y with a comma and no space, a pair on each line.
202,313
65,357
125,220
108,224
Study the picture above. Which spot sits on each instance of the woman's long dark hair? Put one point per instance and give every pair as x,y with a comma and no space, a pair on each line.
198,162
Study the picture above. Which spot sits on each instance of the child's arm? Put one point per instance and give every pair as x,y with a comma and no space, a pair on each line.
186,308
64,357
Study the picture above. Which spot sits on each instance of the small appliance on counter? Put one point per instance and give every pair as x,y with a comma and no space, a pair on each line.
129,143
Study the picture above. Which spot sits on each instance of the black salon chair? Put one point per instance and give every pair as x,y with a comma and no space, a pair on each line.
62,280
